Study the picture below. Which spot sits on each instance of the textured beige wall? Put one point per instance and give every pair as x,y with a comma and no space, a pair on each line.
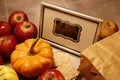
103,9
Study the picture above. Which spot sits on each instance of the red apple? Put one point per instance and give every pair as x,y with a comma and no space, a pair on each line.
1,60
7,45
25,30
5,28
108,27
51,74
17,17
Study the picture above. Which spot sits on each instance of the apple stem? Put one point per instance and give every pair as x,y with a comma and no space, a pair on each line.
2,41
32,52
54,66
108,24
27,26
19,18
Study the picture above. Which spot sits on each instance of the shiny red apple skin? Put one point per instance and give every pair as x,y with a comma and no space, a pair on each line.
51,74
1,60
108,27
17,17
25,30
7,45
5,28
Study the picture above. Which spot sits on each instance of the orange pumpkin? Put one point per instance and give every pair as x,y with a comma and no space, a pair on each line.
31,64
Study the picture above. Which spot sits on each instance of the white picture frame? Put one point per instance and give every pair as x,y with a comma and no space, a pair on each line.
52,17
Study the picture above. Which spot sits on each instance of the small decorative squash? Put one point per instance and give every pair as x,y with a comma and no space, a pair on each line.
7,73
31,63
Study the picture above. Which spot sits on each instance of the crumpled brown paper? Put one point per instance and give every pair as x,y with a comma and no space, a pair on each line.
105,56
88,71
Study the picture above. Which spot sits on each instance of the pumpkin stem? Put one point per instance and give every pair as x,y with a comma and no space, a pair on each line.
32,52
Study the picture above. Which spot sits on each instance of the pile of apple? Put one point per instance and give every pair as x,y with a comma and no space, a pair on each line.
16,30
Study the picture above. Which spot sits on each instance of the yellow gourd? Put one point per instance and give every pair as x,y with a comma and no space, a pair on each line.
7,73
